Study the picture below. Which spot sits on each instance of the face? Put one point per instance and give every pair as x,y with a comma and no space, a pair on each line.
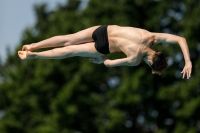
149,63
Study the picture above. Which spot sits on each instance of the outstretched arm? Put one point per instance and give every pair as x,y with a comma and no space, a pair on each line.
169,38
112,63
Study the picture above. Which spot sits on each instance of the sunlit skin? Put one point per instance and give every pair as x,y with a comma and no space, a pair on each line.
135,43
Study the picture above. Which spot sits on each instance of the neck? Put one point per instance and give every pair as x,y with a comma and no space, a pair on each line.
149,53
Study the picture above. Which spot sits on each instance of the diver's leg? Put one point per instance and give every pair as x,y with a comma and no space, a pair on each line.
83,50
63,40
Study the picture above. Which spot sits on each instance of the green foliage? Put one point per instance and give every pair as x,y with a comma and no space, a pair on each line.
73,95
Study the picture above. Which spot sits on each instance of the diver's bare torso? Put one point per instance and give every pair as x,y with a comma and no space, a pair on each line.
131,41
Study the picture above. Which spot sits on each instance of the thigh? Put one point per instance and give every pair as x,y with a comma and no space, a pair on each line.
83,50
82,36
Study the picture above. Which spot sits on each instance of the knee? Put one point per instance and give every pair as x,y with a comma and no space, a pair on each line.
69,39
68,52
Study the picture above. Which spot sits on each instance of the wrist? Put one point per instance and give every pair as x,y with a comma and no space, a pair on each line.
31,55
106,62
187,61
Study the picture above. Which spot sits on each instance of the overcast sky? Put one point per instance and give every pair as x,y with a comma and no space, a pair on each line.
15,16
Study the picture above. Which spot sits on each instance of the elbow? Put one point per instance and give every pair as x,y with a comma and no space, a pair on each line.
182,39
129,60
108,64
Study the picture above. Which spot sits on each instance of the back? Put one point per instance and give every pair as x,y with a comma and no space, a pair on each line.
127,38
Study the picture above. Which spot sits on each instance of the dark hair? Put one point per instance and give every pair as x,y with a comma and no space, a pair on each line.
159,62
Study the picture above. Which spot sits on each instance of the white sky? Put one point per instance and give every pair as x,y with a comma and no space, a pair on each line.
15,16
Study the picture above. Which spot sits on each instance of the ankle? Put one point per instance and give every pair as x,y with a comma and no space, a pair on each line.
33,47
31,55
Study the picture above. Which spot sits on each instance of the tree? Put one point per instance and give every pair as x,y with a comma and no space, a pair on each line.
73,95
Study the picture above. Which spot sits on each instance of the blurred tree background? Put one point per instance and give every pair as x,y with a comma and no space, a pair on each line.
75,96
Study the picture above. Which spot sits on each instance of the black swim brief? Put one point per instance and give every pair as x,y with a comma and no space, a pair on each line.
100,36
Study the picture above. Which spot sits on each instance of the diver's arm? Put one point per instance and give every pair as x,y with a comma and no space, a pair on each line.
112,63
170,39
119,62
173,39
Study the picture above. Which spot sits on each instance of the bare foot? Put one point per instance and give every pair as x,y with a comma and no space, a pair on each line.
24,55
27,48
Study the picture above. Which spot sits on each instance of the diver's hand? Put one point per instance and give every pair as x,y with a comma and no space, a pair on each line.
98,60
187,69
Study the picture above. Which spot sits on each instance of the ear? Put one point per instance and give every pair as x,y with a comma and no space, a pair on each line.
150,61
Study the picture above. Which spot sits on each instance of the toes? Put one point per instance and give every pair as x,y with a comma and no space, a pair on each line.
19,52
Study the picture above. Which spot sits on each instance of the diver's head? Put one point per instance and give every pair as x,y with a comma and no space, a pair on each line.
157,62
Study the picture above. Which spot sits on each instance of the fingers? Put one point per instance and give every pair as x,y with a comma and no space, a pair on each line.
183,72
20,52
97,60
186,73
190,73
94,60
